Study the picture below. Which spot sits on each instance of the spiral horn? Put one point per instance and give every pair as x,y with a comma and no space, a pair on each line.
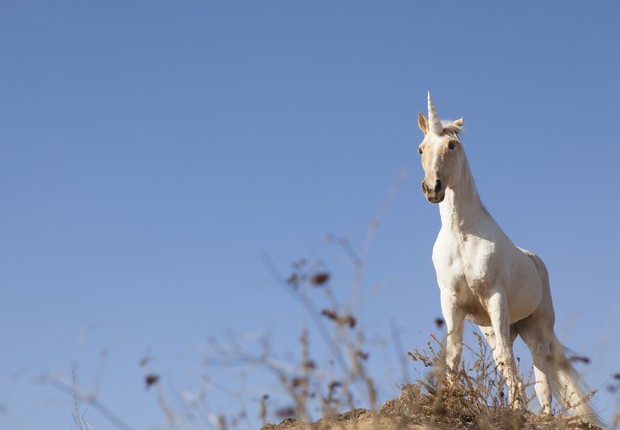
433,119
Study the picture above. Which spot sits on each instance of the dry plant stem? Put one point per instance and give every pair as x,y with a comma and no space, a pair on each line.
77,417
400,351
312,311
387,204
80,396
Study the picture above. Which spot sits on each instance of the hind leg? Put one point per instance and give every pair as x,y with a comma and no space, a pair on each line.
489,335
517,392
552,369
536,334
497,307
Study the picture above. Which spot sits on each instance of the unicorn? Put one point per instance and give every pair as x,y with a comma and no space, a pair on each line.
484,278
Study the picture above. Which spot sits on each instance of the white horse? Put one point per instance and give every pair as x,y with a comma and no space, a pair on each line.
484,278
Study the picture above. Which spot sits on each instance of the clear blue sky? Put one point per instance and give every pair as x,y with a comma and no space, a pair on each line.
152,153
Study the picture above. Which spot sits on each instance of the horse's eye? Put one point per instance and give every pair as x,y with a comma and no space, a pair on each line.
420,150
452,144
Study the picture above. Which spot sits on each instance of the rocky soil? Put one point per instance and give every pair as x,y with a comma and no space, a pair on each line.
413,410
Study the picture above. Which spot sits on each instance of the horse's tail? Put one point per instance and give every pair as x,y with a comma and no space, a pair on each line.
568,386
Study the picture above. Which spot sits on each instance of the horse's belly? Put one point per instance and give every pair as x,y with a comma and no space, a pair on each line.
479,316
523,302
525,290
517,310
522,289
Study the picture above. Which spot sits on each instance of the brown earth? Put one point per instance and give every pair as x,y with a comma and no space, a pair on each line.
415,411
357,419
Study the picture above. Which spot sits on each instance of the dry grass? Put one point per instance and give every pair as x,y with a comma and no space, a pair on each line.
472,398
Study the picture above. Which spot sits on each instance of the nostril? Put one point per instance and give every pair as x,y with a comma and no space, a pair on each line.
437,185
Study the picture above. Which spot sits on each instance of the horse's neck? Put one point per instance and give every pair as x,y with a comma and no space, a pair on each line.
462,209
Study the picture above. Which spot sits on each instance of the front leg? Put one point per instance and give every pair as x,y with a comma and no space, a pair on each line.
497,307
454,315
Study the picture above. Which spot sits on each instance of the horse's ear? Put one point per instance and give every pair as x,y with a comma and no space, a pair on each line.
459,122
423,123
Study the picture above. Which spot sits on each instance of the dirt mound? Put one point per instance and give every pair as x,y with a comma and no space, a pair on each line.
414,410
357,419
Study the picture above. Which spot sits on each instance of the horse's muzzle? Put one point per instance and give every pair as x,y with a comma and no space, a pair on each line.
434,195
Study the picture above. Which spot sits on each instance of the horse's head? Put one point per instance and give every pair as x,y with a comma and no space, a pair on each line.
442,154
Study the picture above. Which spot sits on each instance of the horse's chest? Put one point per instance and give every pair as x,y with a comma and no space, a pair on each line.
469,260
